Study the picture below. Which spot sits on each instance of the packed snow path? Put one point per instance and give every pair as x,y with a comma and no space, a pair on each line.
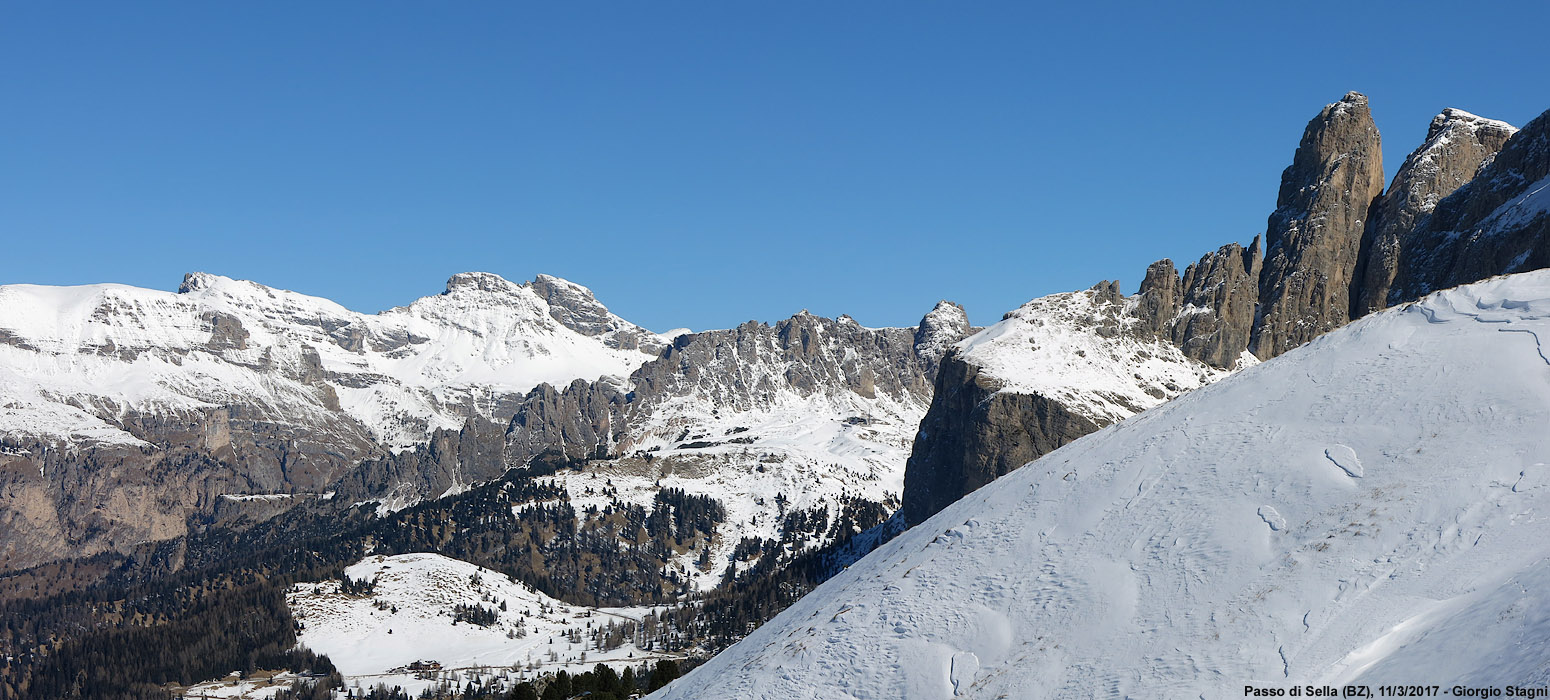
1370,507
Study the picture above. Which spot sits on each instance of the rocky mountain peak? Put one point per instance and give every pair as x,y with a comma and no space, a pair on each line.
479,282
947,317
1219,294
574,306
205,282
1452,117
1159,297
195,281
1457,145
941,327
1499,222
1314,236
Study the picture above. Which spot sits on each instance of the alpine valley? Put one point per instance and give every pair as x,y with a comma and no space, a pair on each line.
1311,459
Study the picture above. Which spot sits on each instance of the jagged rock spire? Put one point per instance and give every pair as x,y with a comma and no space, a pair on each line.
1315,233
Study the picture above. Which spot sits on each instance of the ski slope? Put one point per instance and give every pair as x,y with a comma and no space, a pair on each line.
1371,507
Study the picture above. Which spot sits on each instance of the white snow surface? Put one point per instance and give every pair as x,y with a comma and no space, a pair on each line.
810,451
355,631
73,360
1052,346
1521,210
1224,540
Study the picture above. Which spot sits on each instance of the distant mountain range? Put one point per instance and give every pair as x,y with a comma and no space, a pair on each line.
528,430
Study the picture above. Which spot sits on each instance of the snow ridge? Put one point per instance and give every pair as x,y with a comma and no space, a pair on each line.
1075,347
1223,539
74,360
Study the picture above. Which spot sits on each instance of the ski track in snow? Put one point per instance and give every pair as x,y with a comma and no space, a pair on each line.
1137,561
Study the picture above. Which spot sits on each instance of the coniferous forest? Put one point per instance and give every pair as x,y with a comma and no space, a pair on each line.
199,607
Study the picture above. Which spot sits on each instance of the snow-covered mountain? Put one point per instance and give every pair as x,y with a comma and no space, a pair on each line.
1469,203
123,411
1352,511
409,616
74,361
1051,371
807,414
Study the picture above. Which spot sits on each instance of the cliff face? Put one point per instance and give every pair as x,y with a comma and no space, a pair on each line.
975,433
755,368
1315,233
1457,145
132,414
1220,295
1334,253
1497,223
1053,370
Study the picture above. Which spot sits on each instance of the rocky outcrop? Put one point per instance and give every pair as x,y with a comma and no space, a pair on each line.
450,460
59,499
1220,293
1457,145
576,308
945,325
1051,371
1315,233
750,368
975,433
582,421
1158,301
1497,223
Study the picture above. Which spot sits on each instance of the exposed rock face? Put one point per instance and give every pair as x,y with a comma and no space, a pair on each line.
582,421
1051,371
59,499
1158,300
1496,224
945,325
1316,231
753,367
128,414
1457,145
1220,293
975,433
450,460
576,308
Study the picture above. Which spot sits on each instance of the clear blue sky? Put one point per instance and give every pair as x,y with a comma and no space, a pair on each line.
698,164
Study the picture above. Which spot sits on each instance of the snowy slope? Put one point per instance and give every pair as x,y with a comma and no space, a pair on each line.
408,618
1368,506
75,360
1077,348
811,452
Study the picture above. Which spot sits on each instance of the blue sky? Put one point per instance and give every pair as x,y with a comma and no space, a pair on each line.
698,164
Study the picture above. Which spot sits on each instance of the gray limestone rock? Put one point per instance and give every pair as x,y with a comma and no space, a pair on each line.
576,308
1496,224
1159,298
1315,233
745,368
973,434
1219,296
1457,145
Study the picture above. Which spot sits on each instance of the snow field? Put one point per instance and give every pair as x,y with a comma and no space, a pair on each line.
1366,508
